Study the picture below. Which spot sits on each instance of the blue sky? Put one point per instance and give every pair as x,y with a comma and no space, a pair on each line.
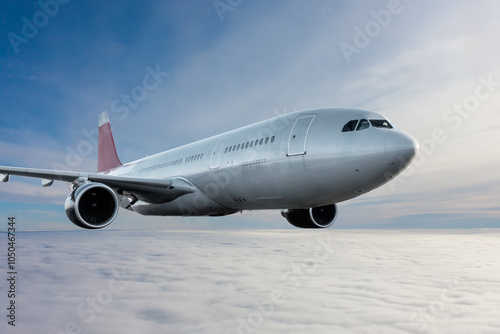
432,68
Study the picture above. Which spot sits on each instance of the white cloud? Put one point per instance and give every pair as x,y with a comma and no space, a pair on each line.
349,281
34,193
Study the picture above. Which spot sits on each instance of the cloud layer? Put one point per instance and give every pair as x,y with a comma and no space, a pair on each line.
333,281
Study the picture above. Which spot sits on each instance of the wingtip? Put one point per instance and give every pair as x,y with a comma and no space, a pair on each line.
103,118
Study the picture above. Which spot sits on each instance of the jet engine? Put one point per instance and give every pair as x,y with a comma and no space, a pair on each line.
92,206
318,217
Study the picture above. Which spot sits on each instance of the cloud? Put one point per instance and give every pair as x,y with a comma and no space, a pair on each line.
349,281
31,193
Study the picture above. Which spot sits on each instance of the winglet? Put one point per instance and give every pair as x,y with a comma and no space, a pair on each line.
107,158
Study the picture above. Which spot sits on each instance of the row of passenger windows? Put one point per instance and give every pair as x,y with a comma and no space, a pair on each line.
194,157
248,144
172,163
162,165
364,124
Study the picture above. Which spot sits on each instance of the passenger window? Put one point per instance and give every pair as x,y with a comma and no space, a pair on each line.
246,146
363,124
261,141
267,140
272,139
350,126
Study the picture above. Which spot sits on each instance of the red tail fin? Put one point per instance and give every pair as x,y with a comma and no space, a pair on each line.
107,158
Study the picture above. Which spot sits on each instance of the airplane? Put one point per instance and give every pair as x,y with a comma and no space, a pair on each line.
303,163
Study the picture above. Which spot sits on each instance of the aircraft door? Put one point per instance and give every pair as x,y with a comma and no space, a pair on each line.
298,136
215,157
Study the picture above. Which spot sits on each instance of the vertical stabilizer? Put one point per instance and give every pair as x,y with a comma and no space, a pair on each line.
107,158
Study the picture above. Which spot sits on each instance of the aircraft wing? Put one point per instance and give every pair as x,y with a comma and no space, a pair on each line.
153,191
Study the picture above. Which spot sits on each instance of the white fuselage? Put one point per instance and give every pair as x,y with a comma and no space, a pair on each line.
298,160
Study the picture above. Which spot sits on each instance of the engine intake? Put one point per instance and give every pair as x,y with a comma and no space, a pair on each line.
92,206
318,217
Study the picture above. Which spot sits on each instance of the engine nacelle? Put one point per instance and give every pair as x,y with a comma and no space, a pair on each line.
318,217
92,206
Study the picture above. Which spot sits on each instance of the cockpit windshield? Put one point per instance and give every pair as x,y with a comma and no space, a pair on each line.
350,126
356,125
380,123
363,124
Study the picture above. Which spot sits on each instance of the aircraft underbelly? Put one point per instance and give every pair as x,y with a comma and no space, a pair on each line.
194,204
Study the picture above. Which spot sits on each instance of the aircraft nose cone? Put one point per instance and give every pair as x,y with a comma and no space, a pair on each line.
400,148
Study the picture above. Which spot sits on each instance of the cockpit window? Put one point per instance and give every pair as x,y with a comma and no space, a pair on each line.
350,126
363,124
380,123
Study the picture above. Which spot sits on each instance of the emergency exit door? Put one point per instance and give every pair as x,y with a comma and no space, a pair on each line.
298,136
